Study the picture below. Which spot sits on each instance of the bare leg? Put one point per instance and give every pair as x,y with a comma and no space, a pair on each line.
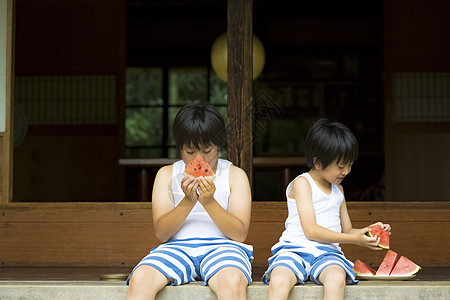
145,283
282,279
229,283
333,280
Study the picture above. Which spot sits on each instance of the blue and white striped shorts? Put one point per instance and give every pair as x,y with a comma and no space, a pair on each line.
196,259
307,262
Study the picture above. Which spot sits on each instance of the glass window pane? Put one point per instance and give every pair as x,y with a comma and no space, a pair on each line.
143,86
172,113
187,85
280,137
173,152
223,111
143,126
218,89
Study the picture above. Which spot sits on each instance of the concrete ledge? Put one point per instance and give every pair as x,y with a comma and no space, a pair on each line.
109,290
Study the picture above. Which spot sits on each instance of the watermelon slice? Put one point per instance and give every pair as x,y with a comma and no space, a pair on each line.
405,267
388,263
379,232
198,167
361,268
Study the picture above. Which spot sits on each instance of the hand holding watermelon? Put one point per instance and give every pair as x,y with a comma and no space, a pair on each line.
206,189
189,185
362,239
375,236
198,182
381,232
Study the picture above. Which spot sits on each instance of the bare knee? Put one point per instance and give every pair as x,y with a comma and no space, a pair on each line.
145,283
333,277
280,282
229,283
235,278
282,279
141,275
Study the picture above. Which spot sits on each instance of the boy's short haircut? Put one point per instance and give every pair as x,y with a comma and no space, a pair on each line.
327,141
199,124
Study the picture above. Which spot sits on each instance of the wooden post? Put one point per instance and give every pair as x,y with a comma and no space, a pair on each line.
6,138
239,77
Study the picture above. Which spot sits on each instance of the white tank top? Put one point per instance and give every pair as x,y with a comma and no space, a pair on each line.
199,224
327,209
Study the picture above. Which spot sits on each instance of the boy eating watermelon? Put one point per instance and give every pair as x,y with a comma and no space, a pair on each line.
201,223
318,219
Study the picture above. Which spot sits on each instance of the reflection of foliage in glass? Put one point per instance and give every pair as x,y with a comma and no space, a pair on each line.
223,111
172,113
143,86
187,85
172,152
143,126
218,89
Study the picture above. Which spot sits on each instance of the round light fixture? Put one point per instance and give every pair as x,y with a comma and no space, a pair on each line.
219,56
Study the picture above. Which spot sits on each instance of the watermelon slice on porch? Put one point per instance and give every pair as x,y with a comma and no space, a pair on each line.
198,167
404,267
361,268
388,263
379,232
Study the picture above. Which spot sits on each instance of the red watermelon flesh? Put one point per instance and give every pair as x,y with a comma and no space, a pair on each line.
379,232
361,268
198,167
388,263
405,267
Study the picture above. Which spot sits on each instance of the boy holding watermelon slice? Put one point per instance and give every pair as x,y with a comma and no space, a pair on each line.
201,213
318,219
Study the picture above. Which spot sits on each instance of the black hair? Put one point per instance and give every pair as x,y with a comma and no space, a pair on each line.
199,124
328,141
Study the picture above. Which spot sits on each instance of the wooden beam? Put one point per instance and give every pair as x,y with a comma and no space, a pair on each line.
239,76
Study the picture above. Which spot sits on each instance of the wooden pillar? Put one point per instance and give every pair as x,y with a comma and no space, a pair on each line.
239,76
6,81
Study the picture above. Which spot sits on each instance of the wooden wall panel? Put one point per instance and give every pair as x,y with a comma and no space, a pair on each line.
120,234
83,234
69,38
67,41
416,40
68,168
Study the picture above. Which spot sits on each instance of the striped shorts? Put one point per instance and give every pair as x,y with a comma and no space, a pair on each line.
197,259
307,262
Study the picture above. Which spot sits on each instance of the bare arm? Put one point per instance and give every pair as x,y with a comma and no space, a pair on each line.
168,219
346,224
235,222
302,193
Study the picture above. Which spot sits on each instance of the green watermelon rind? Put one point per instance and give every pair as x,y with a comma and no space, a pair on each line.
379,245
410,273
407,274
